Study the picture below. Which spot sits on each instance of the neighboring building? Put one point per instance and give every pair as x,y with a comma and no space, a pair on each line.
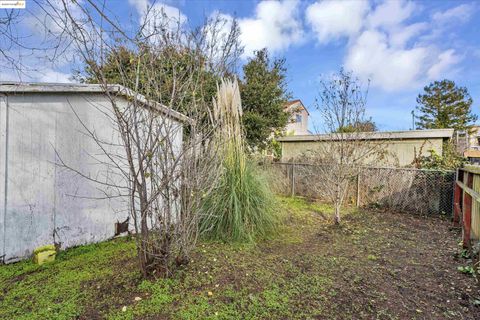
41,202
298,122
401,146
468,143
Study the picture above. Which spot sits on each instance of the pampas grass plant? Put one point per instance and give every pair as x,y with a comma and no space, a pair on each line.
241,206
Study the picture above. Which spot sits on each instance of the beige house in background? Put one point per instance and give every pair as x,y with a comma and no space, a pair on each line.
468,143
400,146
298,122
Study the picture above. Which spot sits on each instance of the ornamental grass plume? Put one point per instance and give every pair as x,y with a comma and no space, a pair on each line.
241,206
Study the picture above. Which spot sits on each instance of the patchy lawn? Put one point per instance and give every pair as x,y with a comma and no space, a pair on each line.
377,265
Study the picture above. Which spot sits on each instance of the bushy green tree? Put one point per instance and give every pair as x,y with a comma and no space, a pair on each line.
264,94
444,105
173,69
367,125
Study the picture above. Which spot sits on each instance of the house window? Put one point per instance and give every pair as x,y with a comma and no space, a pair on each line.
298,118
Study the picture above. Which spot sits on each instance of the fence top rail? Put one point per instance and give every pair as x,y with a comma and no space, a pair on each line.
471,168
474,194
376,167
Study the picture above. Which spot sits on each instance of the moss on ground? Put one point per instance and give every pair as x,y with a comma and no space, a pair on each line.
367,268
56,290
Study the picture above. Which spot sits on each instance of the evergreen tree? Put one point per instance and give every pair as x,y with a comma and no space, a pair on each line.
444,105
264,94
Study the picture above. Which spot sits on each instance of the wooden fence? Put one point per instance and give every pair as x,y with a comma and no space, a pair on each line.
467,203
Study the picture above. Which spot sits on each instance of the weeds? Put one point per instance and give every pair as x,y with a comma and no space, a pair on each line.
295,275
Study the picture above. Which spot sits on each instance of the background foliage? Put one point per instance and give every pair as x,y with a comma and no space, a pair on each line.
444,105
264,94
164,67
450,160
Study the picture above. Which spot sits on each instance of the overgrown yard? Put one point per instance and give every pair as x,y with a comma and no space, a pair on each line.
377,265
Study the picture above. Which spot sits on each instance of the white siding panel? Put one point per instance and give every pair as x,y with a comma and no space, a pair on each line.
45,202
3,154
84,214
30,184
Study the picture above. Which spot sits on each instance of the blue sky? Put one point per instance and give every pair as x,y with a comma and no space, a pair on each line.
400,46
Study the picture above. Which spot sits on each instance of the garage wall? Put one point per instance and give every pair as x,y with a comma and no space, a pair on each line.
400,152
42,202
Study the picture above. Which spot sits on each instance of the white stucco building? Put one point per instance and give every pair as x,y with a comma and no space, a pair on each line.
298,122
44,203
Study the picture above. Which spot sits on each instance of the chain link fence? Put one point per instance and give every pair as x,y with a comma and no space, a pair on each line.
401,189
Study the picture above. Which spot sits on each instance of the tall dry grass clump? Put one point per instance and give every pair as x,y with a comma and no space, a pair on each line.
241,206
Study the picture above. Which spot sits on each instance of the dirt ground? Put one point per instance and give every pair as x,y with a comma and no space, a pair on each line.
412,274
377,265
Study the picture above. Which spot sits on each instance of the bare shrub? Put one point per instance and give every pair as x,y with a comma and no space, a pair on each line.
345,148
160,162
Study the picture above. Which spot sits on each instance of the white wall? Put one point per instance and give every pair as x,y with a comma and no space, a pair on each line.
297,128
40,201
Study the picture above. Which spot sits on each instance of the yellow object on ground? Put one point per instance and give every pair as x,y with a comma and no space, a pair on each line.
44,254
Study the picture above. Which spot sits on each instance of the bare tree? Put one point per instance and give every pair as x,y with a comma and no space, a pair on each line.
340,153
31,42
160,161
8,37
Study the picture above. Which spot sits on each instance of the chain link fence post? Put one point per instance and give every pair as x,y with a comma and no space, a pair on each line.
420,191
357,198
292,181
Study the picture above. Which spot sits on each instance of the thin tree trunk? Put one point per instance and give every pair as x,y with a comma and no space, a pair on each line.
338,203
145,258
336,217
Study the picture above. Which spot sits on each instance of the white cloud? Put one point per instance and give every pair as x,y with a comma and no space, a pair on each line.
49,47
158,15
445,61
476,53
217,34
140,5
9,75
371,57
460,13
53,76
383,53
400,36
219,28
54,40
391,13
379,45
384,46
50,19
331,20
44,75
275,26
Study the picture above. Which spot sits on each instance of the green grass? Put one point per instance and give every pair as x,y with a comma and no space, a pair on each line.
55,290
309,269
157,295
104,277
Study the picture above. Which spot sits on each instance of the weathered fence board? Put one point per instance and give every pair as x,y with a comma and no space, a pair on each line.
467,203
